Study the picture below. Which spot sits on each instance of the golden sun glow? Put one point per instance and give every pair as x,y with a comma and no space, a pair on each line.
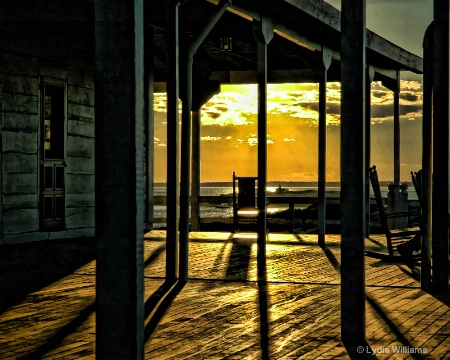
229,131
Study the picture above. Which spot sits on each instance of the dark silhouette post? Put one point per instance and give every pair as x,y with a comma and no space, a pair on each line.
326,62
441,97
1,163
369,79
263,31
195,186
186,133
353,109
119,193
396,91
173,168
427,159
149,126
397,206
202,93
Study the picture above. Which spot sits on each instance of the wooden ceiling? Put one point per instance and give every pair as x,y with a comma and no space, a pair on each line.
302,27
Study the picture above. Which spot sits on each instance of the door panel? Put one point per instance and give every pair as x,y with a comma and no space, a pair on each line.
52,169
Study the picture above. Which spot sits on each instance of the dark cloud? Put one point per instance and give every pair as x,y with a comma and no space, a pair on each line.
295,94
408,96
406,109
306,105
223,109
333,108
213,114
379,94
387,110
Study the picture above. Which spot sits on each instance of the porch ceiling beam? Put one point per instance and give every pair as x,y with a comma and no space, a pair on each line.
387,77
273,76
328,18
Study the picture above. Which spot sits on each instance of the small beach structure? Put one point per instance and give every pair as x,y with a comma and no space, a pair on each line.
244,200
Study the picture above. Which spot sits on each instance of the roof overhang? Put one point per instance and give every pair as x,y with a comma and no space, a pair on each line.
302,28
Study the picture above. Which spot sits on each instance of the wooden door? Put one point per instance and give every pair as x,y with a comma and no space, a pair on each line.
52,168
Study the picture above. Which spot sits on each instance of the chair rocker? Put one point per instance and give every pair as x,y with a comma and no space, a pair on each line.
394,237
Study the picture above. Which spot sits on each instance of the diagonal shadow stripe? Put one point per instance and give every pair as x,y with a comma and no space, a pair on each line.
61,334
391,325
331,258
28,267
156,297
239,261
166,294
154,255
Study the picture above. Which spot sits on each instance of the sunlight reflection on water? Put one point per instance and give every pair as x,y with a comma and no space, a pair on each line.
225,210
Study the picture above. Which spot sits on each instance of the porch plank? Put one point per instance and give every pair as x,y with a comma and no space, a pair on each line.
223,312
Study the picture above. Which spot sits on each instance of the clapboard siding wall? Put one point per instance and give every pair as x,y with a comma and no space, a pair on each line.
20,116
51,42
80,144
20,120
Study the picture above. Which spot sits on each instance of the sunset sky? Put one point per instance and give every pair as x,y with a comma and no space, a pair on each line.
229,121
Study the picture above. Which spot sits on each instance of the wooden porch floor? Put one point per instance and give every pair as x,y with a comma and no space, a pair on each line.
222,312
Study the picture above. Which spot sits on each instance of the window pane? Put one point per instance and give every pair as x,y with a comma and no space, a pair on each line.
53,122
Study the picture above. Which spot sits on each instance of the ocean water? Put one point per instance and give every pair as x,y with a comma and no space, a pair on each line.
225,210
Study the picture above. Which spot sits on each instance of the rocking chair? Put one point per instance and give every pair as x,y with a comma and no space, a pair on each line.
394,237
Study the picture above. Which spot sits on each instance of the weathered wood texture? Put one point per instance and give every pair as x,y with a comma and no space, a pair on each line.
80,170
40,43
222,312
353,76
20,114
20,119
119,186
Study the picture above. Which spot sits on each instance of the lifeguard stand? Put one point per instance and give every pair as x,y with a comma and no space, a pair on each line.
244,200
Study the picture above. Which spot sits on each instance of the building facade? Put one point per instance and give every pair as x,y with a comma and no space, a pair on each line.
47,117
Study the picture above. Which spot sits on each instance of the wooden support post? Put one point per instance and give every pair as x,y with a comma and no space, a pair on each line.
173,172
185,169
263,31
353,108
196,163
204,91
235,222
397,223
119,193
427,159
326,62
397,137
149,126
441,159
186,128
369,79
1,161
